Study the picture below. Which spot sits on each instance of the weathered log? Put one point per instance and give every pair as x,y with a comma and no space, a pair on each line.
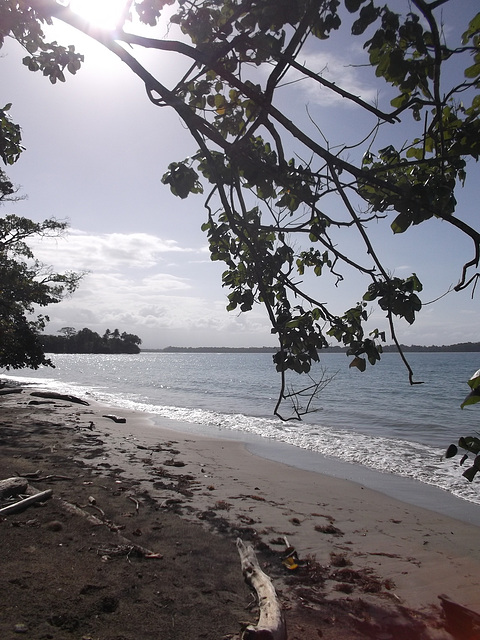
119,419
26,502
12,487
4,392
59,396
271,622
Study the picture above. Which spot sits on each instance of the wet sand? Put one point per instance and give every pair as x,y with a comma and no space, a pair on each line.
370,566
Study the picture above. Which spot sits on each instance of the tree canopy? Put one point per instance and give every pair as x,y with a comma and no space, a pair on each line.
88,341
25,285
284,201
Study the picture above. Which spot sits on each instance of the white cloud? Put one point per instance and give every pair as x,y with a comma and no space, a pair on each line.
108,252
336,69
130,286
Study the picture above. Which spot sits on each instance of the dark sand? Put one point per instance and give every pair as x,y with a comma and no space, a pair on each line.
371,566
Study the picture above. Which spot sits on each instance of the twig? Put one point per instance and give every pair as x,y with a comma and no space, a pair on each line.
26,502
137,504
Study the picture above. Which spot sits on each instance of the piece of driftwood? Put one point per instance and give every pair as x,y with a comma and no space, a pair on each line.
119,419
271,622
4,392
59,396
41,496
12,487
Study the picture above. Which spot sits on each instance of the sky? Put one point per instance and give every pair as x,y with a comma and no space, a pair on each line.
96,149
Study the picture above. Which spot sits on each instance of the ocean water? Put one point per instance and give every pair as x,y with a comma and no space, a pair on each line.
373,419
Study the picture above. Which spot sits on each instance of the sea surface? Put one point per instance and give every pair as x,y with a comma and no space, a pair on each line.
374,419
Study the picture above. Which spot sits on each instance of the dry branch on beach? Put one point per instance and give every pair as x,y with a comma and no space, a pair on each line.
59,396
12,487
271,623
8,390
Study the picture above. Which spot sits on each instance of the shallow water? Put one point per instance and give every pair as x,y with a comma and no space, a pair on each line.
374,419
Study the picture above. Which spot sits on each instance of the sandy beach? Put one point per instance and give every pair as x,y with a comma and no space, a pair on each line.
369,566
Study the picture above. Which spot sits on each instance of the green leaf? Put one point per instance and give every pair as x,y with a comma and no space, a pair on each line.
474,382
367,15
451,451
359,363
470,443
400,100
353,6
470,473
473,71
472,398
401,223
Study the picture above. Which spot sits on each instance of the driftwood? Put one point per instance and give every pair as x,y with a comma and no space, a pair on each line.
58,396
41,496
4,392
119,419
12,487
271,622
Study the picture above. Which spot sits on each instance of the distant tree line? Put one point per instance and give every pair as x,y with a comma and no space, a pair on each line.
216,349
88,341
460,347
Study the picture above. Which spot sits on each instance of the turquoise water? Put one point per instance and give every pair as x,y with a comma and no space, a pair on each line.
375,419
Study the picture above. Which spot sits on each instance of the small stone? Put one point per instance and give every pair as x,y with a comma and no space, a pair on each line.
21,628
54,525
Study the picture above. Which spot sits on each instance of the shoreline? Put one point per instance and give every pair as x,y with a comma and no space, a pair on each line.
364,461
408,490
413,555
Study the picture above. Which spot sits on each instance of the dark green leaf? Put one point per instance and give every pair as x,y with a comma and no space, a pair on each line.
401,223
451,451
359,363
470,473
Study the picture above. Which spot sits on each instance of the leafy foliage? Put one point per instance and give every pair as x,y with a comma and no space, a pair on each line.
25,285
471,444
88,341
272,217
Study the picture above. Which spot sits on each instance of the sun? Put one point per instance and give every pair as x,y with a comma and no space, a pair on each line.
105,14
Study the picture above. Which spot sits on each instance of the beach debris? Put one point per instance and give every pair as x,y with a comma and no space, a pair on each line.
135,501
12,487
290,557
4,392
119,550
118,419
340,560
37,477
54,525
123,541
271,622
41,496
29,476
171,462
59,396
329,529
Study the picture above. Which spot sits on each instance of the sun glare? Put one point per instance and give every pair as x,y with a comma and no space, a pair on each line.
105,14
